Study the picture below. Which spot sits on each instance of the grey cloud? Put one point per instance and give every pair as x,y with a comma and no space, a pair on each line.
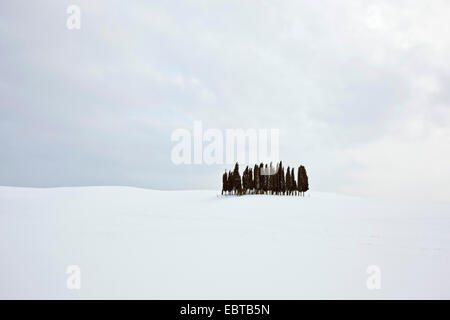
98,105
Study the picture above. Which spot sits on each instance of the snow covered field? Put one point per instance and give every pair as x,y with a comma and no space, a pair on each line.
137,243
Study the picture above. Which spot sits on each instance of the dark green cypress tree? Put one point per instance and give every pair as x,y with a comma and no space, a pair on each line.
293,184
230,182
288,181
245,180
251,183
280,165
261,178
266,179
270,180
282,180
224,182
237,186
299,180
256,170
305,183
276,179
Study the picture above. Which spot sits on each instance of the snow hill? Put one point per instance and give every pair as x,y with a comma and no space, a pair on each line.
137,243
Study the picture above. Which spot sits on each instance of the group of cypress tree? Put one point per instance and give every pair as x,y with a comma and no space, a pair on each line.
264,179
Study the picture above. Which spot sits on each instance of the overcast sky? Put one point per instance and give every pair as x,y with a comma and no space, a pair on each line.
358,89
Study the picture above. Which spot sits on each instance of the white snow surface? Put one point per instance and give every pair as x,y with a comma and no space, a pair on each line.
135,243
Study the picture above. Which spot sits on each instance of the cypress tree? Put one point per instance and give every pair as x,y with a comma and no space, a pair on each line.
261,178
305,186
299,180
224,182
266,179
230,182
245,180
270,180
282,181
237,187
288,181
256,170
280,178
280,165
293,184
251,181
276,180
